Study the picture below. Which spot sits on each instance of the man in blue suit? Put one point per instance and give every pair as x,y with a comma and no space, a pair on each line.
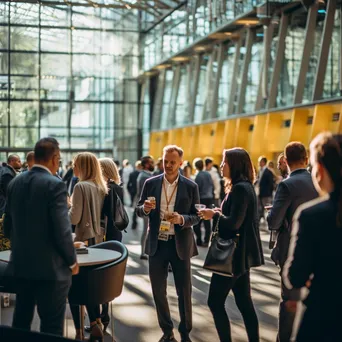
169,201
43,257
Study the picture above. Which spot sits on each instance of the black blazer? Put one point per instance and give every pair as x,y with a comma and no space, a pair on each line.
7,173
38,225
266,184
112,233
240,216
186,198
297,189
316,250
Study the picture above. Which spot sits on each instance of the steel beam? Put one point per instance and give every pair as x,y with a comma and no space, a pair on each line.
280,49
233,81
174,95
214,99
324,52
307,50
158,104
196,77
244,76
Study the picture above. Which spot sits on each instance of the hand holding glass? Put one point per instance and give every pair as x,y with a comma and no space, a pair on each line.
150,204
200,206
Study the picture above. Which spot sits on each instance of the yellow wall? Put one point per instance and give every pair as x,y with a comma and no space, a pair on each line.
265,134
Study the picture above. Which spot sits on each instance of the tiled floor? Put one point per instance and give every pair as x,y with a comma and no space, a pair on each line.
135,317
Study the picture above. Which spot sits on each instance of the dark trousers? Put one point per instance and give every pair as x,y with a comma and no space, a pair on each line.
262,202
50,298
207,223
158,270
220,287
286,318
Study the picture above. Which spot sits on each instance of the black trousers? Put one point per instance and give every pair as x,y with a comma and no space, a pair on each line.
220,287
93,313
207,223
158,270
50,298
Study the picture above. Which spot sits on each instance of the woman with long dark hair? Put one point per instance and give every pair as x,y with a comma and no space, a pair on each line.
238,219
315,252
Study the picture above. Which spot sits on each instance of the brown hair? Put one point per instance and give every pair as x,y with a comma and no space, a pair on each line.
327,152
240,165
198,164
295,152
30,156
173,148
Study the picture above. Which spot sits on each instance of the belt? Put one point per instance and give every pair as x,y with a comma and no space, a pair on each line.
170,237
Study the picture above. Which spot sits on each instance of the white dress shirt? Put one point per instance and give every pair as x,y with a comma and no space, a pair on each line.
163,203
42,167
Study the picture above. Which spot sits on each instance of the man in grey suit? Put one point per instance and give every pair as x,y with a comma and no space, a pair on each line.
169,201
297,189
43,256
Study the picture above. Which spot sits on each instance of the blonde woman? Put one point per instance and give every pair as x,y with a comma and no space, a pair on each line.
111,175
85,213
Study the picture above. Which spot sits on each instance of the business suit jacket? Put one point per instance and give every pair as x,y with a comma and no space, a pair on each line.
297,189
266,184
37,223
132,182
240,216
186,198
7,173
316,250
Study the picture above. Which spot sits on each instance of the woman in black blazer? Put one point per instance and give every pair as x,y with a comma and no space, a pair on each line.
315,252
238,216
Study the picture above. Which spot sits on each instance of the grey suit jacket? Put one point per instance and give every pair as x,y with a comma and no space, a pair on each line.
37,223
297,189
186,198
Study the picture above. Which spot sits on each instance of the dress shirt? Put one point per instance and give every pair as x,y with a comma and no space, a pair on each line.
163,203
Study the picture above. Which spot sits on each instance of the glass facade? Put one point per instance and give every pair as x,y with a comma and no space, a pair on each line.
239,81
71,73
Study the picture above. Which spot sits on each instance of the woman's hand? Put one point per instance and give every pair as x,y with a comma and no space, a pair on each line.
207,214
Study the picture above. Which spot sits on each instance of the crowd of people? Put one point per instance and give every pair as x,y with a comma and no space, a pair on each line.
302,207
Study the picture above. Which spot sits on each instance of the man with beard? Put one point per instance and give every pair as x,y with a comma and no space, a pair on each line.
147,168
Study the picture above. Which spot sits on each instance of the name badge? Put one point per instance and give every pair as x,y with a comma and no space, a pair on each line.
165,226
163,236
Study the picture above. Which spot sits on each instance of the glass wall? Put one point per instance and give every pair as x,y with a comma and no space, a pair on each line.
68,72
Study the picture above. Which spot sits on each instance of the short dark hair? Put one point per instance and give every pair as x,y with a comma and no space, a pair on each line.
208,161
145,160
199,165
45,149
240,165
30,156
295,152
12,157
263,159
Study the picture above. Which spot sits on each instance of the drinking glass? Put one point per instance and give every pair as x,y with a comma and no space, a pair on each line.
152,200
200,206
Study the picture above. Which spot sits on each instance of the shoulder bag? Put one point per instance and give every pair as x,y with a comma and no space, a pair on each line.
120,217
220,254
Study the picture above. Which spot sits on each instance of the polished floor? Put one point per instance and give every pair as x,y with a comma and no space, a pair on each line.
135,317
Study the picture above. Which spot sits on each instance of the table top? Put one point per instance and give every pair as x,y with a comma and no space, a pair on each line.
96,256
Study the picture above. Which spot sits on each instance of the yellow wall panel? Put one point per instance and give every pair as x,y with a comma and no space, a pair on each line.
301,127
218,141
322,119
257,145
243,135
229,133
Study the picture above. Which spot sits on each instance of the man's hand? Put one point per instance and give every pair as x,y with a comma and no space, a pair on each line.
148,206
176,218
75,270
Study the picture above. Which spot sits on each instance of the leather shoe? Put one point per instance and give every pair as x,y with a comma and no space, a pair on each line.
168,338
186,339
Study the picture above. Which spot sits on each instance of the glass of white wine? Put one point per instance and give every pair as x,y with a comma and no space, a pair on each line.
200,206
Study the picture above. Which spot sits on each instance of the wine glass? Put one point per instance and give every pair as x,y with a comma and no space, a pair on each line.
200,206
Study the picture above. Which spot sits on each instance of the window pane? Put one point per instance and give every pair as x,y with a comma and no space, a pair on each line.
86,41
84,137
55,40
54,114
93,88
3,36
24,14
24,38
52,16
61,134
54,88
4,138
24,137
3,113
89,18
84,65
24,113
4,13
55,65
24,63
24,87
85,115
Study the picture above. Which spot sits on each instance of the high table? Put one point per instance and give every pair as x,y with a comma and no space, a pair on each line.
95,256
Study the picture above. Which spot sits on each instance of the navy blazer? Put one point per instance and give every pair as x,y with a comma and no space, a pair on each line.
186,198
266,184
38,225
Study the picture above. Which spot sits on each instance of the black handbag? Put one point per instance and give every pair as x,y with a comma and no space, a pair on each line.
120,218
220,254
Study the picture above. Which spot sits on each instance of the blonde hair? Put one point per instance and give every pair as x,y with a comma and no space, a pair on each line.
89,169
109,170
173,148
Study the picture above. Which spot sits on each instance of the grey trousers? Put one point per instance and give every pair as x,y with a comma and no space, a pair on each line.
144,234
158,270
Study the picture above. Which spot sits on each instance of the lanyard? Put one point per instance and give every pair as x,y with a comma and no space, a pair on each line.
168,200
